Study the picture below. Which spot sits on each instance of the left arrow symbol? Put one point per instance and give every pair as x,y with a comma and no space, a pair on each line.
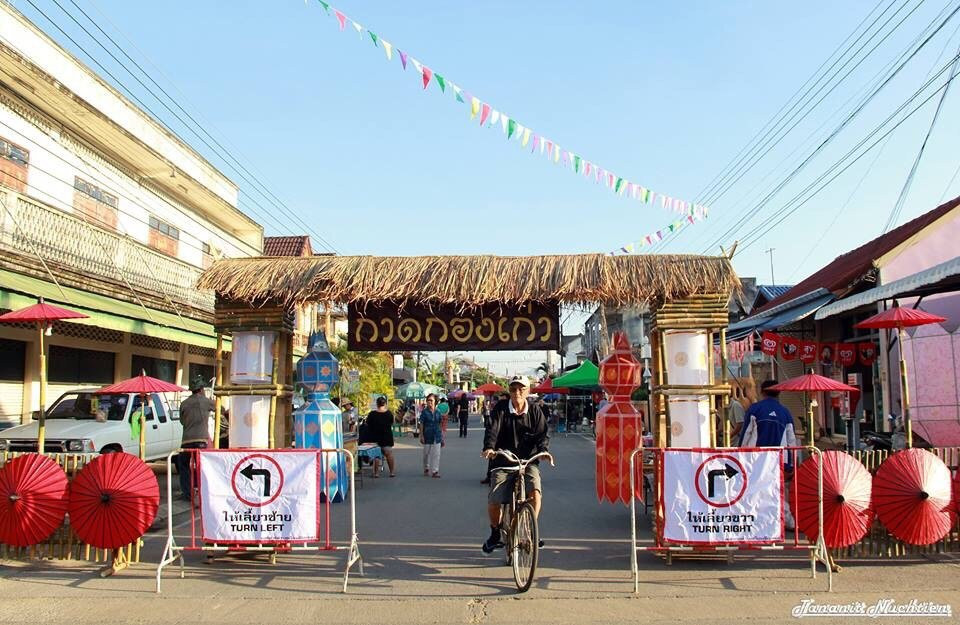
248,472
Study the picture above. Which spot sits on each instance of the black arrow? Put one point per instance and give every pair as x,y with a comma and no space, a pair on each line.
248,472
727,470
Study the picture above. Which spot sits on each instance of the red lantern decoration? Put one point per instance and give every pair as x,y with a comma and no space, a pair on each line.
808,352
619,425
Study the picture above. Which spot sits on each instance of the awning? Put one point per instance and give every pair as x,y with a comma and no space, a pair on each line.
18,290
786,313
941,278
587,375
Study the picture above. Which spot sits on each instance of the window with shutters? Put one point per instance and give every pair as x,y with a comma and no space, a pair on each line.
163,237
14,162
95,205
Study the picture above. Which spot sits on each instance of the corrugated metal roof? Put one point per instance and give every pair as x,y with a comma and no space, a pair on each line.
773,291
782,315
898,288
848,269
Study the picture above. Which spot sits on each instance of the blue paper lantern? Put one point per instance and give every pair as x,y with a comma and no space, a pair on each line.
318,424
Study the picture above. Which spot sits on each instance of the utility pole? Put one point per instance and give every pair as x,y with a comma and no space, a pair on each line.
773,282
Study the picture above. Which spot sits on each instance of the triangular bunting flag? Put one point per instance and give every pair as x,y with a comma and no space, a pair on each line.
504,121
417,65
388,48
576,163
526,138
484,113
536,143
511,128
341,18
556,153
373,36
326,7
494,117
357,27
427,73
440,81
474,107
457,92
403,58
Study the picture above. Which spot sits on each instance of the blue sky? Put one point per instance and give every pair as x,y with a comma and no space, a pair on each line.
663,93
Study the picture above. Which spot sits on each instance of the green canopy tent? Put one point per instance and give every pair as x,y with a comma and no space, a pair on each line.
586,376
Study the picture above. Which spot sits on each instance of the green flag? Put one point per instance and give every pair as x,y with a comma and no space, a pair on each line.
440,81
576,163
511,128
373,36
616,189
326,7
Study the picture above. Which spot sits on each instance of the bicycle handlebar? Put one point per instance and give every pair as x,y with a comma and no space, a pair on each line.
509,455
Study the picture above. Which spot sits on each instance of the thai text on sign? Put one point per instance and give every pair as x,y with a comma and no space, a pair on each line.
258,496
391,325
723,497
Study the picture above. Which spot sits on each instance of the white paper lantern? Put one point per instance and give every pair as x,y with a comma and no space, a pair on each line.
251,361
686,354
250,422
689,421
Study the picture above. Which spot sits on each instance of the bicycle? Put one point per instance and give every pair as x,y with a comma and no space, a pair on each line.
518,523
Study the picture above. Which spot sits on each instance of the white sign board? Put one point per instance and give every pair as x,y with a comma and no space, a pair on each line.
722,497
258,496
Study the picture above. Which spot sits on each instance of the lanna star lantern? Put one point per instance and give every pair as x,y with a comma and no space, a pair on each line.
619,425
318,423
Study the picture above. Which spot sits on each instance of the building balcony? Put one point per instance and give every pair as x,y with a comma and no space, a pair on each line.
83,255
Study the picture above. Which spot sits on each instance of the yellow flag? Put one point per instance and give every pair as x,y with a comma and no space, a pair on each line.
526,137
556,154
388,48
474,107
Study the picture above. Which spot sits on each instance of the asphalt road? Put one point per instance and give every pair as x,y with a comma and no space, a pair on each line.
420,539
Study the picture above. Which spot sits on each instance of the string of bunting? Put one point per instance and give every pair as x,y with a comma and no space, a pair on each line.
522,134
824,352
656,237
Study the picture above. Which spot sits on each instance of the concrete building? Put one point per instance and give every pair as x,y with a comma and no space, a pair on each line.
105,211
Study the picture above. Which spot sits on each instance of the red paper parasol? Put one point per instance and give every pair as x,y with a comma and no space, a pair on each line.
142,384
847,487
489,388
811,382
911,494
113,500
33,499
898,317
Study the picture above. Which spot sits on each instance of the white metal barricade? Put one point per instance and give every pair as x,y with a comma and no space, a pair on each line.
817,551
172,551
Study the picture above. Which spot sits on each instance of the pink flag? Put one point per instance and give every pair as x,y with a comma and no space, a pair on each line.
566,157
403,58
549,147
484,113
690,218
341,18
609,180
536,143
586,169
427,74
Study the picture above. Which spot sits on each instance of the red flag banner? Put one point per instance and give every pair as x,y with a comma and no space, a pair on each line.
868,353
770,343
808,352
827,353
789,348
847,354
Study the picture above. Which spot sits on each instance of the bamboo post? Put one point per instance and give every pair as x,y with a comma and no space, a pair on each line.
218,382
810,435
273,398
42,424
905,391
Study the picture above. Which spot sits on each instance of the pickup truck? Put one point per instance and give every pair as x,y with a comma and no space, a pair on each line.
83,422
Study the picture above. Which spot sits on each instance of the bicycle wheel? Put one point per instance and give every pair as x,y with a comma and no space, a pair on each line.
524,546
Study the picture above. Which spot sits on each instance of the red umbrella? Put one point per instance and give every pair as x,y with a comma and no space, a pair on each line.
113,500
33,499
143,385
847,487
911,494
43,315
811,382
546,387
489,388
899,318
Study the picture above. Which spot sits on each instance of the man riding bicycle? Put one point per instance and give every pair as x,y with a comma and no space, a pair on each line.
520,427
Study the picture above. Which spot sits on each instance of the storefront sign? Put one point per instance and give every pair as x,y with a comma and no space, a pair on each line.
722,497
258,496
385,326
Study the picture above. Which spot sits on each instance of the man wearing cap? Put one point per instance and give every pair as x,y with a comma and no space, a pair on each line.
518,426
195,418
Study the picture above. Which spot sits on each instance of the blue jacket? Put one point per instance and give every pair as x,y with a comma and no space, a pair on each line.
430,425
767,423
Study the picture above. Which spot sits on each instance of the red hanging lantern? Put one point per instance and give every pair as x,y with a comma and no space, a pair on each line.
619,425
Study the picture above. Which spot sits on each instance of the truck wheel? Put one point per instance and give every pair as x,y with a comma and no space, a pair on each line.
111,449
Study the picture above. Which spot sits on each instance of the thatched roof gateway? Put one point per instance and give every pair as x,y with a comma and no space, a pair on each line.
471,280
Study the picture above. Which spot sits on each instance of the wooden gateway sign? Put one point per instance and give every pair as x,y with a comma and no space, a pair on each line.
387,326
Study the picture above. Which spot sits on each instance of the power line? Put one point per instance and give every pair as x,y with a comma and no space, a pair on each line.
265,214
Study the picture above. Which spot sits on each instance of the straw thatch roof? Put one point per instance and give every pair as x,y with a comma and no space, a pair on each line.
471,280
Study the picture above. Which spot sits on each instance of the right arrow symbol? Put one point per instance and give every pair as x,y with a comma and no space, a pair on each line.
727,471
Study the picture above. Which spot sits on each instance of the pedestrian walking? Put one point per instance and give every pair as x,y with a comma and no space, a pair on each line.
379,430
195,414
463,414
431,436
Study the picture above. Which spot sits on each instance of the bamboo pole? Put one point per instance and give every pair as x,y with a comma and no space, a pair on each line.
42,424
218,383
905,391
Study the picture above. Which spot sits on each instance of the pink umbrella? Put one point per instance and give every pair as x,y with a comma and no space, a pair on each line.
143,385
43,315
